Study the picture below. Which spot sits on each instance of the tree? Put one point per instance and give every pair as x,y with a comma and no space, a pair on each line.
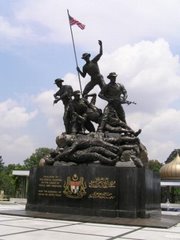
11,183
33,160
7,180
154,165
7,183
10,167
1,164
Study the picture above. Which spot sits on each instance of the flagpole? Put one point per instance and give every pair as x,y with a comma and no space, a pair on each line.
74,49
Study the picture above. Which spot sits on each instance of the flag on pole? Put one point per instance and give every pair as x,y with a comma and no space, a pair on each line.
73,21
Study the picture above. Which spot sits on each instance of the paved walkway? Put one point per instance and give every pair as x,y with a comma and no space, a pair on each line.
14,227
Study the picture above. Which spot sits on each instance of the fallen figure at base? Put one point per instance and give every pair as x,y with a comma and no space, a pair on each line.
95,148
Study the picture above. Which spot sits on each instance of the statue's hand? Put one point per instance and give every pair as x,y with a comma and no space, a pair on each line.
100,42
78,69
55,101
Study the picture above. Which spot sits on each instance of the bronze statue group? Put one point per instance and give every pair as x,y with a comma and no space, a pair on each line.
113,143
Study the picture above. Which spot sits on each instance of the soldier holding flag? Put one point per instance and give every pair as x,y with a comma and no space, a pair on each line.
91,67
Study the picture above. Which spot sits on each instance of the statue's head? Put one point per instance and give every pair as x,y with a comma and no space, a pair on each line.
86,56
77,94
58,81
63,140
112,75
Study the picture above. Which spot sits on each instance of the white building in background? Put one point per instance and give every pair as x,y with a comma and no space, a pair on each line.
24,176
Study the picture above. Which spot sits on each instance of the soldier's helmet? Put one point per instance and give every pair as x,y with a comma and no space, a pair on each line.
76,93
58,80
112,74
85,55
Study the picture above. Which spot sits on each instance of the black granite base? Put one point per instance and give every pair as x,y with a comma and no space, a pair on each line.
94,190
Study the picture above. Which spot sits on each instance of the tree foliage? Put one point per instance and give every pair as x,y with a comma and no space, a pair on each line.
154,165
7,183
1,164
10,183
33,160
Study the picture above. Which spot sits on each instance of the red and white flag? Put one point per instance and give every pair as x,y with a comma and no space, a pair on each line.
73,21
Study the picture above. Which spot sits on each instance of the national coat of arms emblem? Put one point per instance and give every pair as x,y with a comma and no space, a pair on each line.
75,187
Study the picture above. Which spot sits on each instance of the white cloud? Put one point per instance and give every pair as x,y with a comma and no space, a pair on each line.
164,125
15,146
7,29
12,33
14,116
160,131
115,22
15,149
53,114
149,71
159,150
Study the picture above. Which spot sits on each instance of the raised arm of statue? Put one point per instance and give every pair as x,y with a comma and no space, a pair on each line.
97,57
101,47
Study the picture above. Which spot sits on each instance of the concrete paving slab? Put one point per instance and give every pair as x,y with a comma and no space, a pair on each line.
47,235
9,230
98,230
159,221
14,227
37,223
85,231
175,229
152,235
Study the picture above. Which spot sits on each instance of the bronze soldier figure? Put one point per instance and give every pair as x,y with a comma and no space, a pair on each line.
79,109
86,149
65,95
94,113
115,94
92,69
111,122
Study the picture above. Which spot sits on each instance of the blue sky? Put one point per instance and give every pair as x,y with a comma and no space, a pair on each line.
141,43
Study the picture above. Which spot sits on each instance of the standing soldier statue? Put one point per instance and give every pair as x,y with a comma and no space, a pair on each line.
115,94
64,94
92,69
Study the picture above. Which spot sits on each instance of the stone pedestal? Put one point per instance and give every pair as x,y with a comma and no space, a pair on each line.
94,190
